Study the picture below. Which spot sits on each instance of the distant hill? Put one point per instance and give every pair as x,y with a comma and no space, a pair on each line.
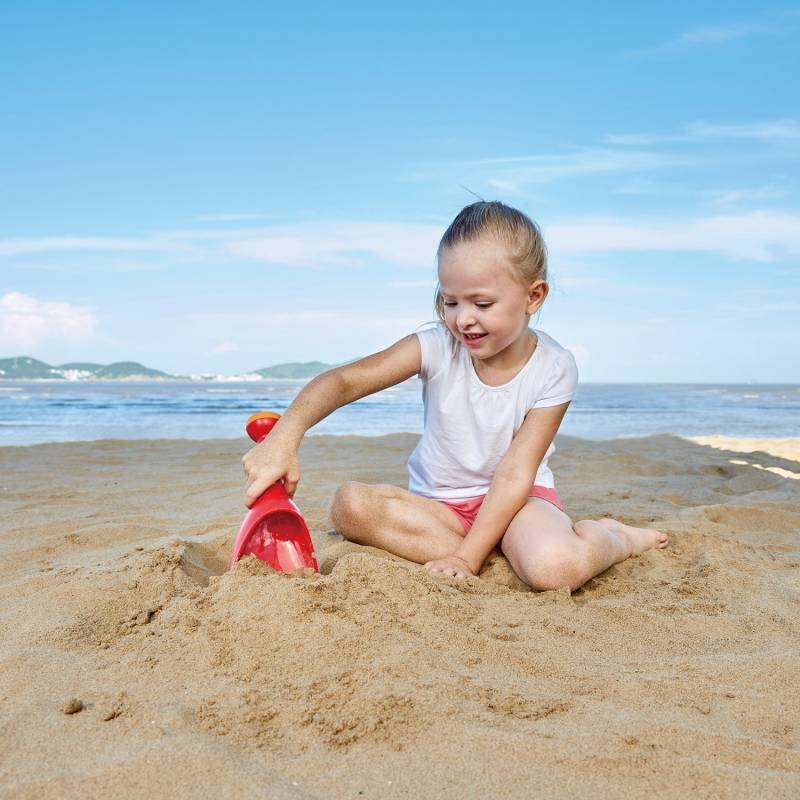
127,370
295,369
24,368
308,369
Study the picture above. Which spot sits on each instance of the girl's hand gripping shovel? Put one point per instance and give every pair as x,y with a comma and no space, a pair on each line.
274,529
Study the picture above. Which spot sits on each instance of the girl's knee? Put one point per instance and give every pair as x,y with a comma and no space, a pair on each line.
556,568
348,502
354,502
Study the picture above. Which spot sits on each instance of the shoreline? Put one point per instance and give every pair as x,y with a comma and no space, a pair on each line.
787,447
244,380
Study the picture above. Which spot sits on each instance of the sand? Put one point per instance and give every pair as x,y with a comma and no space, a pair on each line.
132,665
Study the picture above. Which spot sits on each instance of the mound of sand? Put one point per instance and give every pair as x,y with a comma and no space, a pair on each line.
673,674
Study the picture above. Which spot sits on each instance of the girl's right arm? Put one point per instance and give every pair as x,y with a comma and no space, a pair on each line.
277,456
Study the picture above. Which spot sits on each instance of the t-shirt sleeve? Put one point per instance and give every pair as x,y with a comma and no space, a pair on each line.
561,382
434,345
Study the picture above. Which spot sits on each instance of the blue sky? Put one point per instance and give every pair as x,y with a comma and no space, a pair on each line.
217,187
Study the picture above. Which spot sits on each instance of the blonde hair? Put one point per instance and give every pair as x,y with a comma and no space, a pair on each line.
525,247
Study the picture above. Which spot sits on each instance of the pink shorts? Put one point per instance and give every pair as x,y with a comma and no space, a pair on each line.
468,509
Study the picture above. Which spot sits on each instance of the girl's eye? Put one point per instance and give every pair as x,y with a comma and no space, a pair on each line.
483,305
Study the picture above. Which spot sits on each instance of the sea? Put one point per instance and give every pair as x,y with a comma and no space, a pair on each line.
39,412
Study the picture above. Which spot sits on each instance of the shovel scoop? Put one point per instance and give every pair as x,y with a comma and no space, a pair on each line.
274,529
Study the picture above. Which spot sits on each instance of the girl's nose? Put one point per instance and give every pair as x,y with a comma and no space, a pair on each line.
465,319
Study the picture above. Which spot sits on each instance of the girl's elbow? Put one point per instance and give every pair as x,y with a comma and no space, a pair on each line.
351,384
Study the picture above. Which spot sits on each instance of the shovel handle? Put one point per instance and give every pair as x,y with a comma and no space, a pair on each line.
260,424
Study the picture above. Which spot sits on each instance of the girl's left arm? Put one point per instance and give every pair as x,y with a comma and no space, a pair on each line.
509,489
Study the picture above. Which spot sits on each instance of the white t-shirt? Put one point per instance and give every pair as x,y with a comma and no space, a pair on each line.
469,425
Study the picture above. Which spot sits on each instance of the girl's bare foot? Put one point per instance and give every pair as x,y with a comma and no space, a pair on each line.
637,539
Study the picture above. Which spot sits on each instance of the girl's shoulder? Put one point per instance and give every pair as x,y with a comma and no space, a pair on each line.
550,347
437,332
438,348
555,359
554,382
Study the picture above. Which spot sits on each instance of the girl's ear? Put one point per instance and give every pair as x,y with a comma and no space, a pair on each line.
537,292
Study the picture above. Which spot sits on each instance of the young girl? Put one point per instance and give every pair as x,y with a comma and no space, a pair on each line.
494,393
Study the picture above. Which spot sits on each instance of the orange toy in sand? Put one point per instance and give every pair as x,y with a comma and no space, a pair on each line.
274,529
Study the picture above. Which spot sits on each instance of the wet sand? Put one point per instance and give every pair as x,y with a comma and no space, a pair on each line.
673,674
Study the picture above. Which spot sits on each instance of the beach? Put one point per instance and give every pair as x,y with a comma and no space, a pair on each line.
133,664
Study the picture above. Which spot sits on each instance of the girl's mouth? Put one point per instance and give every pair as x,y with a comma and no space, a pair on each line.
473,339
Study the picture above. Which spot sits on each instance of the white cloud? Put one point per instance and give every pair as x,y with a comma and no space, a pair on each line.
27,322
746,309
83,265
783,299
712,35
757,235
515,172
340,244
730,197
265,318
767,131
261,331
231,217
62,244
634,139
618,154
509,187
345,243
577,282
717,197
781,308
513,175
718,34
225,347
288,322
430,284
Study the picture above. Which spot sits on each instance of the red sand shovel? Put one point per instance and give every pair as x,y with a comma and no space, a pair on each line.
274,529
